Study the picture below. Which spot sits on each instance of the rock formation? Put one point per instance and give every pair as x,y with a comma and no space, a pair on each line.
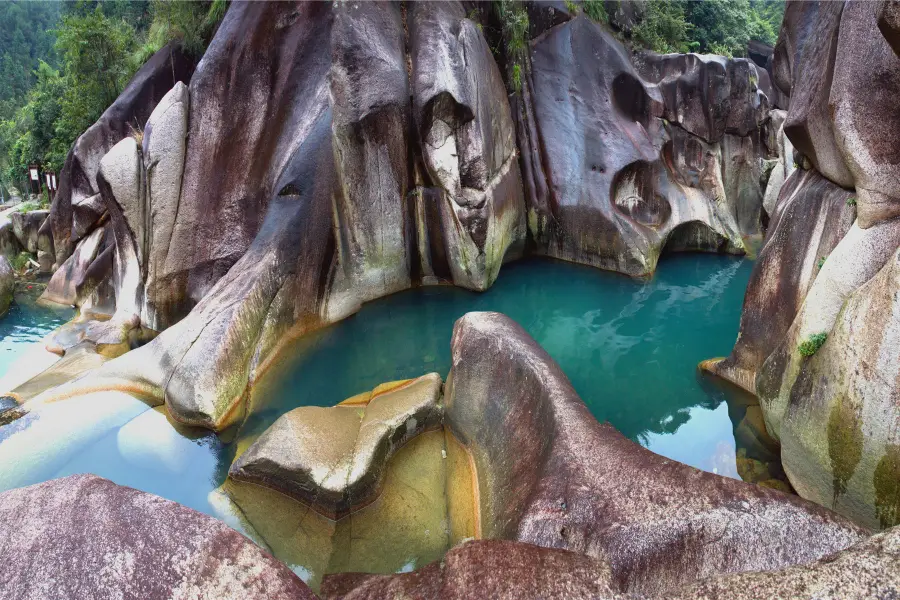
7,285
818,312
333,459
257,210
75,203
86,537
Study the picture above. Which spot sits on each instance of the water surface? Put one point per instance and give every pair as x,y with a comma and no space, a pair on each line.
27,322
630,348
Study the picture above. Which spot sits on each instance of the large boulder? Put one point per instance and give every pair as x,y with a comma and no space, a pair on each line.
812,215
319,220
86,537
841,446
26,226
804,66
484,569
78,177
549,474
864,104
844,107
7,285
65,283
333,459
868,569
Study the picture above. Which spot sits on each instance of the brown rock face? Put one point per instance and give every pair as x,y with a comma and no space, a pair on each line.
868,569
844,109
484,569
7,285
621,161
550,474
809,220
86,537
78,178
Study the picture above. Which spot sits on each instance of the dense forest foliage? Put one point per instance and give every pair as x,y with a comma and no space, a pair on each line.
66,62
708,26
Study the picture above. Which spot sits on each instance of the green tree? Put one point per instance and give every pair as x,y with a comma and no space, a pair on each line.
95,51
663,27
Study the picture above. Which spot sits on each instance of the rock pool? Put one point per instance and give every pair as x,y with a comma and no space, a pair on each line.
630,347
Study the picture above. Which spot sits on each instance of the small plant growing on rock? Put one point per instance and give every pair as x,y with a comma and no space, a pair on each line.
821,262
595,10
20,261
812,344
571,7
851,201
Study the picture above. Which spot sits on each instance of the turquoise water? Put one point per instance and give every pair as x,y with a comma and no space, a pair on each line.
25,323
630,348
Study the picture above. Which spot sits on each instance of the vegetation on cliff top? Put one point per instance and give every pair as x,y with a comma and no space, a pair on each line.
69,61
712,26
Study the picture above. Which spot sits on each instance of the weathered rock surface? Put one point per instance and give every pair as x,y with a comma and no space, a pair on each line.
7,285
86,537
26,226
497,569
64,285
78,177
838,428
621,162
809,220
484,569
868,569
550,474
804,65
333,459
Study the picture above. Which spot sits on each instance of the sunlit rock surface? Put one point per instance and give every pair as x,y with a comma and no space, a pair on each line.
550,474
333,459
72,205
425,507
86,537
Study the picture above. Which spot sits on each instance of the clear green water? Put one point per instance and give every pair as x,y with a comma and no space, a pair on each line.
26,323
630,348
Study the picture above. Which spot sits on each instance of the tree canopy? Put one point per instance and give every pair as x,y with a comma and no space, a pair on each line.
707,26
66,62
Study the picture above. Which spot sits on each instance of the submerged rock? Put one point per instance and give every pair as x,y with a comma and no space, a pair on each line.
333,459
86,537
550,474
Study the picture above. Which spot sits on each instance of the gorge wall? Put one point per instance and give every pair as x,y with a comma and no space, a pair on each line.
818,331
322,156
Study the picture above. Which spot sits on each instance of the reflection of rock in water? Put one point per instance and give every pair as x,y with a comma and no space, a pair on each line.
758,455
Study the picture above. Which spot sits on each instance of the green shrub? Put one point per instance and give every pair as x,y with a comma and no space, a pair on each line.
851,201
517,77
595,10
821,262
571,7
28,206
812,344
20,261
